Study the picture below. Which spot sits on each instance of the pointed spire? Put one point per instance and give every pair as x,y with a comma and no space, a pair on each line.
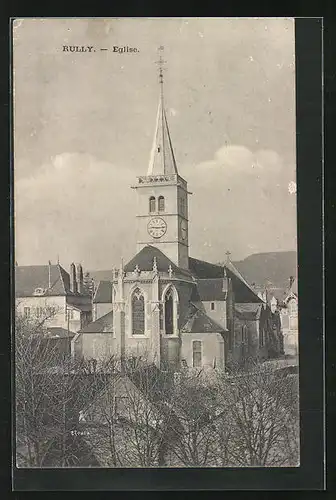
162,159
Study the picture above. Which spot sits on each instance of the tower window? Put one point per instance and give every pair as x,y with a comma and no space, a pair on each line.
169,313
161,203
152,204
212,306
138,313
197,354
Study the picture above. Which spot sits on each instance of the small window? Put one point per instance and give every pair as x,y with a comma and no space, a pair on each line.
212,306
293,307
39,312
26,312
50,312
152,204
70,314
197,354
161,204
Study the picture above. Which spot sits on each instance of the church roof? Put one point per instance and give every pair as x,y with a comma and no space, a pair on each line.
29,278
248,311
103,293
104,324
212,289
144,260
206,270
162,159
199,322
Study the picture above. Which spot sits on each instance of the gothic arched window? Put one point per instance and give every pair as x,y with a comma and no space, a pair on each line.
138,313
161,204
169,313
152,204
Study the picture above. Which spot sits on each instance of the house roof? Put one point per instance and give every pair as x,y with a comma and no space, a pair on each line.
144,260
199,322
29,278
212,289
248,311
103,293
57,331
104,324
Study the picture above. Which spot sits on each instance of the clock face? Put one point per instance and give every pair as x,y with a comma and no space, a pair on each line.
156,227
184,230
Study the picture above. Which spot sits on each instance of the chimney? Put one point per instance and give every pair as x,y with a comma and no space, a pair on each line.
73,282
79,277
291,281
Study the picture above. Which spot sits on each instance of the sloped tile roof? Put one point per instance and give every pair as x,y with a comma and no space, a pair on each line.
212,289
57,331
28,278
103,293
199,322
205,270
104,275
103,324
144,260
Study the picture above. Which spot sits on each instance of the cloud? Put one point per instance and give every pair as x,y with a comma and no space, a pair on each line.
241,202
75,206
233,160
82,208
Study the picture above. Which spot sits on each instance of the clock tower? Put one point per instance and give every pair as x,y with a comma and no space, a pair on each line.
163,196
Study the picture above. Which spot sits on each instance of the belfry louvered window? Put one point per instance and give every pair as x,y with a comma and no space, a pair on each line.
152,204
161,204
138,313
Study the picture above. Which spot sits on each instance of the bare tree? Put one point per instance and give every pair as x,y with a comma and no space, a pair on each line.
260,409
195,408
47,393
33,355
128,421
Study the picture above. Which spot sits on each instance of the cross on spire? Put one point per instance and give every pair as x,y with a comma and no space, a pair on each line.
228,253
162,158
161,62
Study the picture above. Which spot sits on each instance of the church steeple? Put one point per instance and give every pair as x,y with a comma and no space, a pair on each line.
163,195
162,158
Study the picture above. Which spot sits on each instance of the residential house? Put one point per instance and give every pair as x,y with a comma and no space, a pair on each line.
54,296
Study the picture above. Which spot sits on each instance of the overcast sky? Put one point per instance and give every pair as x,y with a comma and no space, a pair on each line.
84,124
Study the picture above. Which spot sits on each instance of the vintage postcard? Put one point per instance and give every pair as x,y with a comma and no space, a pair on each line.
156,294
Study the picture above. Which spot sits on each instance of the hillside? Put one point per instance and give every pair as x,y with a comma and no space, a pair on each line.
275,267
258,268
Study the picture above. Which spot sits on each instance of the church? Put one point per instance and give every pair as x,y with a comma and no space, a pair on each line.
163,304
